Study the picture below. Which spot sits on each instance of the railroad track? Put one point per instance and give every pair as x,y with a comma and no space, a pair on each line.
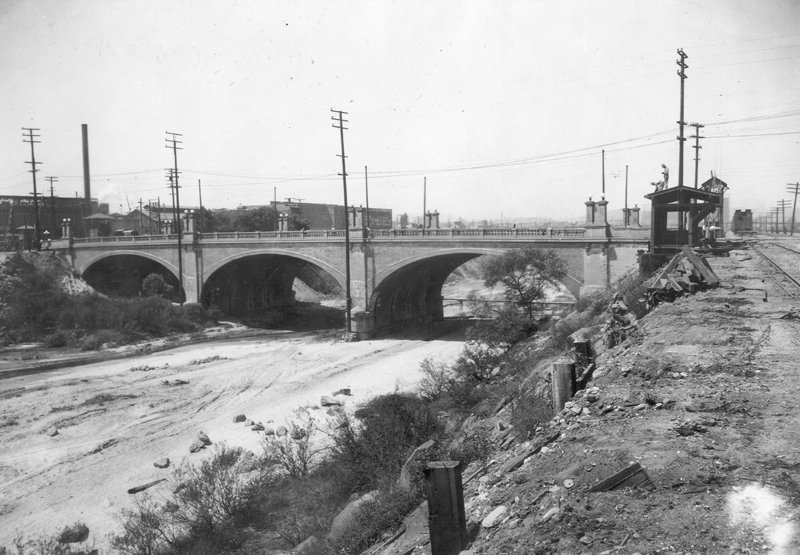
786,263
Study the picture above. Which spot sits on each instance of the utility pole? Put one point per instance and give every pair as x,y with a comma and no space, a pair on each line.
782,207
141,222
52,179
338,123
31,138
627,214
696,147
682,74
200,214
172,143
603,171
424,203
366,194
793,188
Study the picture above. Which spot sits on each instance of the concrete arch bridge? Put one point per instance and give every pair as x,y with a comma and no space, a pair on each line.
396,275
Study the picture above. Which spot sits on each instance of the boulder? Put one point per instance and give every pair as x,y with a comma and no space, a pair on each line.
309,545
239,418
203,437
163,462
257,427
298,433
281,431
196,446
328,401
342,521
76,533
494,518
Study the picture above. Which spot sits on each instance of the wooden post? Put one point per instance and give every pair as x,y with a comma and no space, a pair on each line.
447,521
562,378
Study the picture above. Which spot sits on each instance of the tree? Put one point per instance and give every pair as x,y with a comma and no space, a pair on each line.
259,219
297,223
525,273
155,284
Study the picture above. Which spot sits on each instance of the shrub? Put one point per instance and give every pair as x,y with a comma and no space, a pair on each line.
389,428
387,511
97,340
436,379
529,411
211,504
294,452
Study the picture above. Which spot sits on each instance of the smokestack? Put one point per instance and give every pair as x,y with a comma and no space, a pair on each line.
87,185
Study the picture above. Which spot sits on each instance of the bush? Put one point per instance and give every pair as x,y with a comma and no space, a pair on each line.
212,503
436,379
373,450
529,411
387,511
97,340
294,452
76,533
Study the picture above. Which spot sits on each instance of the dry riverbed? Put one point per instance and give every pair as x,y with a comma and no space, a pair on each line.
76,439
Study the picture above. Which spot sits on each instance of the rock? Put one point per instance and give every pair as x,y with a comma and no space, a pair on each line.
328,401
257,427
52,432
343,391
203,438
239,418
163,462
76,533
585,540
405,479
196,446
341,522
550,514
281,431
248,422
494,518
269,431
568,483
309,545
298,433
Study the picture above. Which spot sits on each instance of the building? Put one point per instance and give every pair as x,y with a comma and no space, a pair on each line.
331,216
17,214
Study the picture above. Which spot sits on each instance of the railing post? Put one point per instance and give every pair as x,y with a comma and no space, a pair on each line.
447,520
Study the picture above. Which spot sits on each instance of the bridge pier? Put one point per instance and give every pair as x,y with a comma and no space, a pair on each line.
192,268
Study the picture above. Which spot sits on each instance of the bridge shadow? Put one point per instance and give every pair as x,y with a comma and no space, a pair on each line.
300,316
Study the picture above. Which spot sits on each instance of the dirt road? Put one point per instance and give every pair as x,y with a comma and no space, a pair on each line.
74,440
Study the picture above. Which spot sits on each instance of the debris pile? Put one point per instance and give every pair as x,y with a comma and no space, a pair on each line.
687,272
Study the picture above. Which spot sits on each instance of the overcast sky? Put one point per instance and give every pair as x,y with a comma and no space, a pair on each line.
504,106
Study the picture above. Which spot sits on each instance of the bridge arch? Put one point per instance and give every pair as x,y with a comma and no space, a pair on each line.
122,272
255,279
410,289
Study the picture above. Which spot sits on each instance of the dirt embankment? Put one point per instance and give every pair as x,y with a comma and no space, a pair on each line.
704,399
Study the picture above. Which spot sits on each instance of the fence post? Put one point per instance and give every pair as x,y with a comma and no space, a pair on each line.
447,521
562,380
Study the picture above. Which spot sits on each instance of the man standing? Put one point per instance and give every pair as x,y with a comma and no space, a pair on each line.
665,173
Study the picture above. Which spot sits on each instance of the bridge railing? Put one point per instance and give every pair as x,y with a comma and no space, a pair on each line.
316,235
124,239
542,233
459,234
